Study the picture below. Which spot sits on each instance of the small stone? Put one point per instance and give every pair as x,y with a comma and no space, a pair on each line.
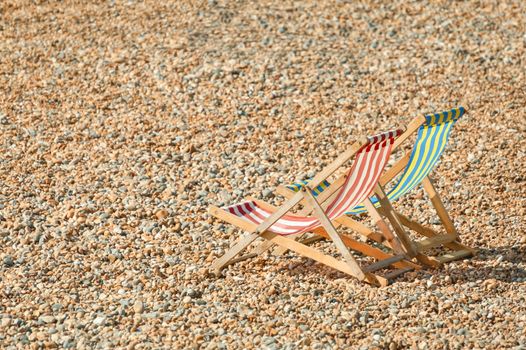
8,261
5,322
138,307
24,339
192,293
393,346
100,320
161,214
47,318
461,331
429,283
266,193
151,315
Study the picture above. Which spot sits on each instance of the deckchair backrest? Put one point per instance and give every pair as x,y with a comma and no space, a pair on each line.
432,135
369,162
430,143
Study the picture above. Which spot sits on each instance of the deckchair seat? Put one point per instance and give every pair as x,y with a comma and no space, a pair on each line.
287,225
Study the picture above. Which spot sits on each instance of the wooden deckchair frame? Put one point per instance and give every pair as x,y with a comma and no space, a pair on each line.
450,240
327,229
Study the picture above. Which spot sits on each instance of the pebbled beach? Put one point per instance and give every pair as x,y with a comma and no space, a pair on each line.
122,121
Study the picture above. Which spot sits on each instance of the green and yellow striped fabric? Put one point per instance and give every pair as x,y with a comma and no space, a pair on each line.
315,191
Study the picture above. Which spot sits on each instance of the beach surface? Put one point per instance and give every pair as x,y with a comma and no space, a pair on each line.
121,122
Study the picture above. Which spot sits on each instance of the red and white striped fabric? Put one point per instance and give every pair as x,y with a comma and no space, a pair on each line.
363,175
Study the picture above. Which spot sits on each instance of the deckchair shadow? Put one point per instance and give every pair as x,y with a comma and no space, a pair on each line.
512,254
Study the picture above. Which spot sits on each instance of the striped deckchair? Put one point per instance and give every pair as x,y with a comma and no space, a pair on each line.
433,131
276,224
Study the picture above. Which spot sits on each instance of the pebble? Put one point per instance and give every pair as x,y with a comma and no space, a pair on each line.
100,320
47,318
5,322
161,214
8,261
192,293
266,193
138,307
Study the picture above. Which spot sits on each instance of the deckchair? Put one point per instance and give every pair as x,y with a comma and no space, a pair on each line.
275,225
432,134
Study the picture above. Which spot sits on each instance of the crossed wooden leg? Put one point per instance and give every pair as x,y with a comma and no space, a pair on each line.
327,230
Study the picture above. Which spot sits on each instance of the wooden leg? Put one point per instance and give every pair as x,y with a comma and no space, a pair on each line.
345,221
294,199
246,241
311,239
328,260
288,243
428,232
331,230
280,250
361,229
368,250
324,199
309,252
439,206
435,239
263,247
395,221
394,243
